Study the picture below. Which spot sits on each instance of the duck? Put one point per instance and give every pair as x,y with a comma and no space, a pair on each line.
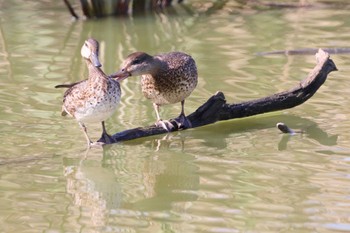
166,78
94,99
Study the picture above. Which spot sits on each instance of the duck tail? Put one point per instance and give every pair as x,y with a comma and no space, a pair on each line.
64,85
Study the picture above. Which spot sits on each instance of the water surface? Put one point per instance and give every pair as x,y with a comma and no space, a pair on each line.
234,176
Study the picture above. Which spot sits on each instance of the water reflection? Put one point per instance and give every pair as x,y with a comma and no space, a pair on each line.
310,130
225,129
139,182
127,185
144,188
93,188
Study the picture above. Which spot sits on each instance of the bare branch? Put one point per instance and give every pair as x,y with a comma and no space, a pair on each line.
216,108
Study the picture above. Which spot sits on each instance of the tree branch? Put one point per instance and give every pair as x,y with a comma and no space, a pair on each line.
216,108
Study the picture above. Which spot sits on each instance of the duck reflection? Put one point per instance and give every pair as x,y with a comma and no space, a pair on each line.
161,178
92,187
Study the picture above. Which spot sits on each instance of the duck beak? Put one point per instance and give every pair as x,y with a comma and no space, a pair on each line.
120,75
94,60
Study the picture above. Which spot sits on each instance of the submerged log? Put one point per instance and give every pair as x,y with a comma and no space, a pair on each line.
216,108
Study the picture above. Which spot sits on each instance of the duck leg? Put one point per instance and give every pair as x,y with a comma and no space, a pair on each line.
182,121
83,127
105,137
161,123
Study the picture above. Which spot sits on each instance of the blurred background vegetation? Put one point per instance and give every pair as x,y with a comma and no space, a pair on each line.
103,8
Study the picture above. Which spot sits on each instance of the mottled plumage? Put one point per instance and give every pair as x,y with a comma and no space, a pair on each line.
94,99
165,79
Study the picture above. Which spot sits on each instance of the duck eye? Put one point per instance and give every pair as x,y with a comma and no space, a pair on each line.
136,61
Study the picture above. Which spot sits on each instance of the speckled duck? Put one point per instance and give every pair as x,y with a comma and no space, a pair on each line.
165,79
94,99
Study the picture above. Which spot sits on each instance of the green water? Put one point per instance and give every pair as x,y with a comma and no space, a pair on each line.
234,176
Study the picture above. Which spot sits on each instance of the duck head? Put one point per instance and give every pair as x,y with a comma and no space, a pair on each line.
136,64
89,51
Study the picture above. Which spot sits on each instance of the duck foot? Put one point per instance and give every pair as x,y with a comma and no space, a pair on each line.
167,125
105,139
182,122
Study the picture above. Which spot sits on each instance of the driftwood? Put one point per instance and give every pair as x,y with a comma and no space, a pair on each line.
216,108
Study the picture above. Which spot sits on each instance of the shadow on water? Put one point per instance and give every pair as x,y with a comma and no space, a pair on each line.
213,135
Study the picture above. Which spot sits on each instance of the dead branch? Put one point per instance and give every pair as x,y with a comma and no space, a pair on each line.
216,108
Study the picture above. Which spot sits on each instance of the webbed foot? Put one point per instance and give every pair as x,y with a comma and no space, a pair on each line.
105,138
167,125
182,122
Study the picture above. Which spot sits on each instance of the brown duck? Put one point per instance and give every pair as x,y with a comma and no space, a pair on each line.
94,99
165,79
